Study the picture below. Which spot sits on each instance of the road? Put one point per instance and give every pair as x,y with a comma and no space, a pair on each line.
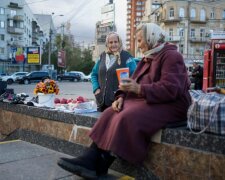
67,89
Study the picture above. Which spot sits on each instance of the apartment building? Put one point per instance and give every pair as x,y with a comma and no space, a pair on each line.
18,29
135,12
103,27
188,23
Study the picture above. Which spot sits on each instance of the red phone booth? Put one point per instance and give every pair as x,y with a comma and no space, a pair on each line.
214,62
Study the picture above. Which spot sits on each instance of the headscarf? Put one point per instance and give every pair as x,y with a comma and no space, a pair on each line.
154,36
117,54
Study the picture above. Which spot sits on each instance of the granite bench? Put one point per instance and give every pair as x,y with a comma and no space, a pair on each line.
175,153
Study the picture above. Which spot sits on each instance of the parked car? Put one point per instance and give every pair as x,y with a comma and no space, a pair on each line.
88,77
13,78
3,74
71,76
82,75
34,76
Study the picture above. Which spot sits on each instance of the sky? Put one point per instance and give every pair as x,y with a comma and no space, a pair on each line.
82,15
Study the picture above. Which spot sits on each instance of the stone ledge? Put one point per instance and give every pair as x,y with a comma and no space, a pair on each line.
178,154
177,136
87,120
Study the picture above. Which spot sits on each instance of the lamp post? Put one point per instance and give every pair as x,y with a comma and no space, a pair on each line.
50,44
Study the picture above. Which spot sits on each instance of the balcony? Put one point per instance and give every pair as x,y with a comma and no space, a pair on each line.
34,36
14,30
16,17
198,39
101,40
174,38
198,21
168,20
14,6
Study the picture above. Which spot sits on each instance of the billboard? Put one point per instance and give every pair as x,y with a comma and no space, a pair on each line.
17,54
62,58
108,15
107,8
33,55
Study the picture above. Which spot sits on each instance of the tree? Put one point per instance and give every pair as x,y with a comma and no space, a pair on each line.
76,59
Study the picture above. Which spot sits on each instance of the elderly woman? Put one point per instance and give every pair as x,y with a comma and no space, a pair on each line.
156,95
103,76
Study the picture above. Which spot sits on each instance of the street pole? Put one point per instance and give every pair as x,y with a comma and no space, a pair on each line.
49,52
188,26
50,68
62,37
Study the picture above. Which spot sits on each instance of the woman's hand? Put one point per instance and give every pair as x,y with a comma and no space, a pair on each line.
118,104
97,91
130,85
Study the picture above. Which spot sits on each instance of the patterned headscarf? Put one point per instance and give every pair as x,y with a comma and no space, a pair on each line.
117,54
154,36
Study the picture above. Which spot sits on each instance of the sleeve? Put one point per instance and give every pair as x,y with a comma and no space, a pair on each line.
94,76
173,81
119,93
131,64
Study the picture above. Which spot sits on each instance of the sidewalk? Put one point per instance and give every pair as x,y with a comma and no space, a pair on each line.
21,160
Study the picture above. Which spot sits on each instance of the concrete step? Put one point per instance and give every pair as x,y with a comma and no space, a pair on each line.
25,161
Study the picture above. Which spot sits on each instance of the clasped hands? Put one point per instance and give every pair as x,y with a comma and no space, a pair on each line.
128,85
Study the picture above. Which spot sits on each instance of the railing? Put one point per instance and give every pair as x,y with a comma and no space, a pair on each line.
14,30
195,20
15,17
198,39
170,19
174,38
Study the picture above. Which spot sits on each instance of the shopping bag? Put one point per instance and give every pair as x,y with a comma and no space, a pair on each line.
207,112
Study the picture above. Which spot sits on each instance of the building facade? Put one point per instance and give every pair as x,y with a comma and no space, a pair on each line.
135,12
19,29
103,27
188,23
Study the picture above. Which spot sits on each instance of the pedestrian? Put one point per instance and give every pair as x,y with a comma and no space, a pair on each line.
156,95
197,74
103,76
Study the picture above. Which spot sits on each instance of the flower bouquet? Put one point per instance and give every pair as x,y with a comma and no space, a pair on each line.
45,91
49,86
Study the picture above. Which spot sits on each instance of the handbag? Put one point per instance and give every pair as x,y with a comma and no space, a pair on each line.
206,113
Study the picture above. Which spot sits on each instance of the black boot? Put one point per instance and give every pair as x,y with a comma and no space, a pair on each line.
105,160
85,165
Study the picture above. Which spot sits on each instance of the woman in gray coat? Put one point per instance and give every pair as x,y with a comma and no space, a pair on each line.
156,94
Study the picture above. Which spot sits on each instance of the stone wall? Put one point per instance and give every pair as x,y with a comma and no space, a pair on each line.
178,155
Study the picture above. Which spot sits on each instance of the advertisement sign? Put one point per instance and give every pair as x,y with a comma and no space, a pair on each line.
107,15
33,55
107,8
218,35
62,58
17,54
